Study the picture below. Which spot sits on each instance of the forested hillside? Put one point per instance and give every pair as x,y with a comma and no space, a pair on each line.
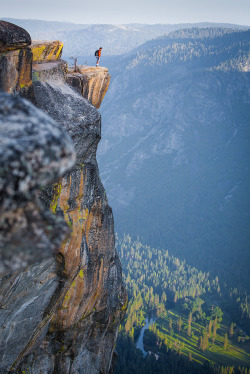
174,159
199,324
174,154
81,40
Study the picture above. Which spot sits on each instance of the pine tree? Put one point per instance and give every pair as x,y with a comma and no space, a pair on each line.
170,324
189,323
204,341
199,345
175,297
163,297
231,330
131,333
189,356
179,324
157,299
225,341
210,328
214,329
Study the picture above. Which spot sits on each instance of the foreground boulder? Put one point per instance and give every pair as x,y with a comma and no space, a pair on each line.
13,37
34,151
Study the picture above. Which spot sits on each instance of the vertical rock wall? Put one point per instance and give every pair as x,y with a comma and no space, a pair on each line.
91,82
76,325
15,60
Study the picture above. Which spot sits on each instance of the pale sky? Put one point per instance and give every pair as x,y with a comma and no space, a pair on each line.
129,11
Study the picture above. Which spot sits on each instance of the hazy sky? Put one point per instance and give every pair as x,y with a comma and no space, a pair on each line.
129,11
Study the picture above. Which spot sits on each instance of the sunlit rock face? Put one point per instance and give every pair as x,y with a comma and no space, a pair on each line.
62,315
46,50
91,82
15,60
93,301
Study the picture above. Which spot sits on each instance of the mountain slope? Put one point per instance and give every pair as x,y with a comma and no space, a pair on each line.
174,154
82,40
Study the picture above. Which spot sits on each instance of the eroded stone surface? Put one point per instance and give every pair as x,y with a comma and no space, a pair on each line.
78,296
16,72
13,37
81,120
15,60
46,50
34,150
91,82
24,319
90,312
54,70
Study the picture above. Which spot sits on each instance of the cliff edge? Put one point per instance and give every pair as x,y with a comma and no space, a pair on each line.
62,313
91,82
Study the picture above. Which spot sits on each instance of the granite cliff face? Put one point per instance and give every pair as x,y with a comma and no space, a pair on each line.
61,314
91,82
34,150
15,60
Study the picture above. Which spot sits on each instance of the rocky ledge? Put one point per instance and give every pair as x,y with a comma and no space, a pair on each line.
46,50
61,314
15,60
91,82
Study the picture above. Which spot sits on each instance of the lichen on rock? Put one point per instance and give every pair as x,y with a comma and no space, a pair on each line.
46,50
34,150
63,311
15,60
91,82
95,294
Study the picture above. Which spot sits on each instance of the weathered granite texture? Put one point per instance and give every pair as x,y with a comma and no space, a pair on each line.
73,112
13,37
55,70
34,151
46,50
15,60
86,321
25,312
62,315
91,82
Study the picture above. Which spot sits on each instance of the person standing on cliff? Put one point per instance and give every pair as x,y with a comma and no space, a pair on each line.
98,53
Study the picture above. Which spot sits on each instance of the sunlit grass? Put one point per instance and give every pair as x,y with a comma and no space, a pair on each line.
180,341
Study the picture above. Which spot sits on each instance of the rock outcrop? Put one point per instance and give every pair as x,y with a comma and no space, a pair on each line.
13,37
47,70
46,50
15,60
91,82
65,311
34,151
